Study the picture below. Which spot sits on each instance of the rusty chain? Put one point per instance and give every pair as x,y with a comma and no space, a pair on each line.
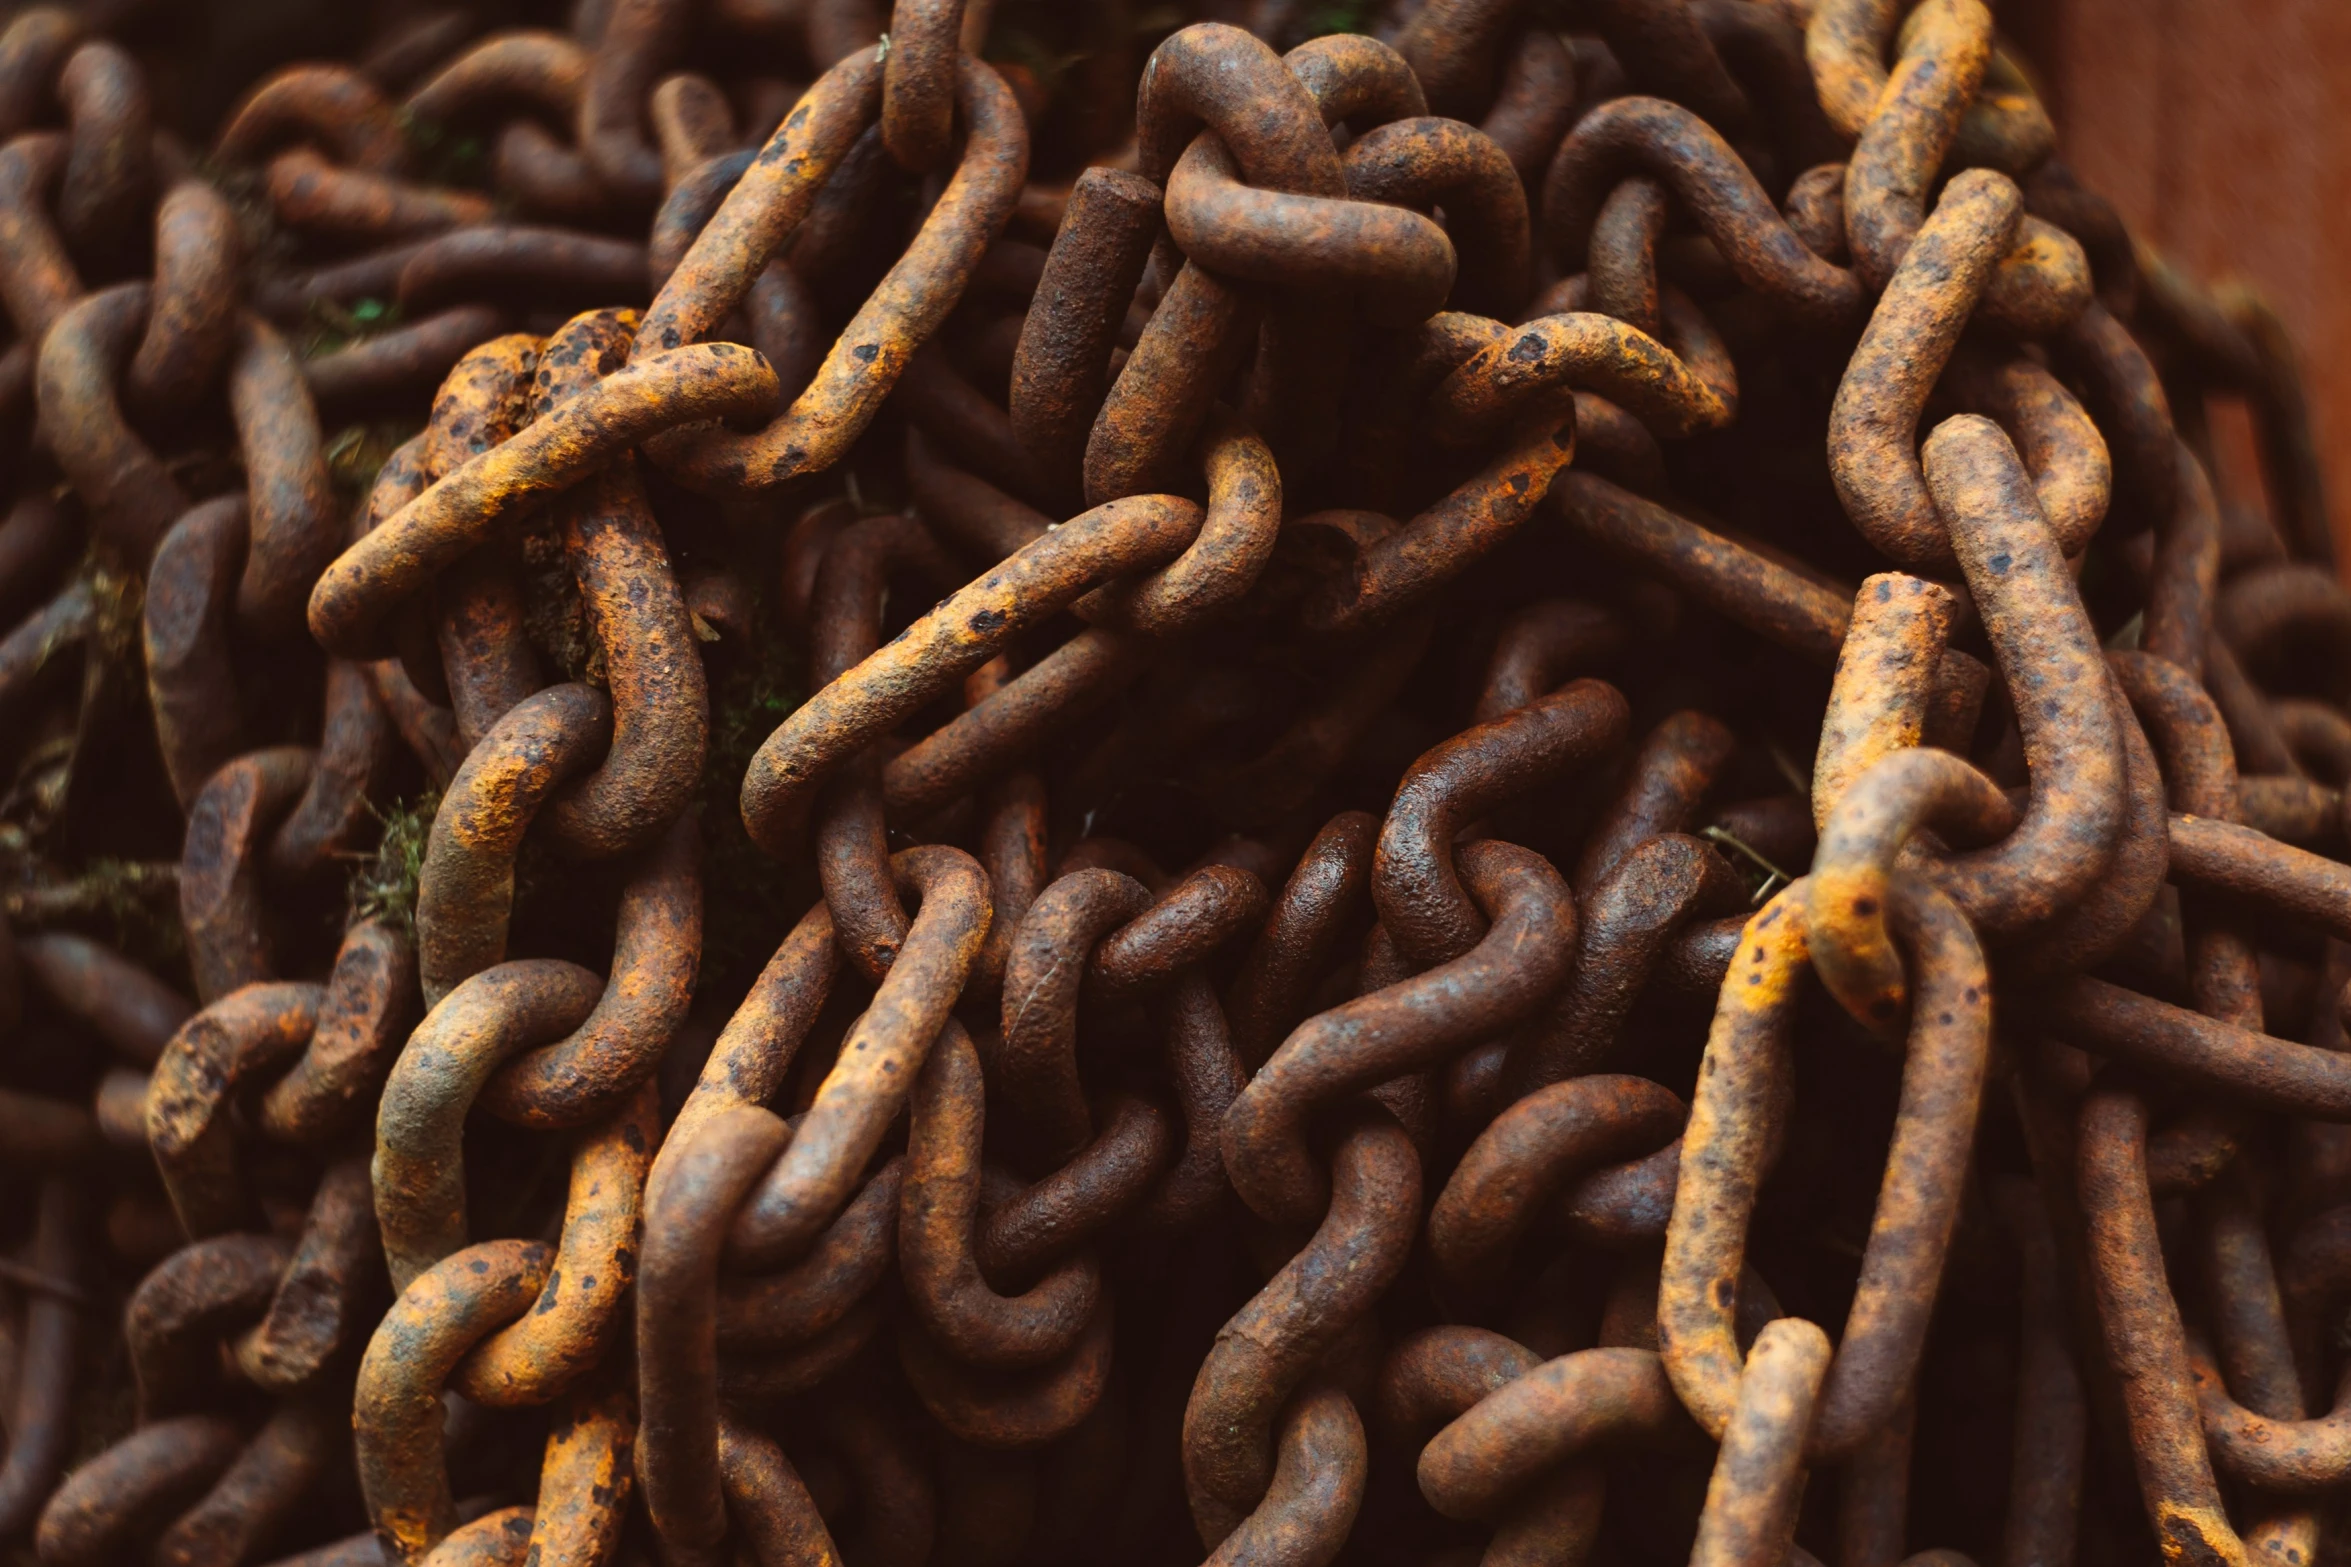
798,781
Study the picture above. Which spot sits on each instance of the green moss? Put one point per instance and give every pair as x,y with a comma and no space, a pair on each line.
1340,16
755,696
267,246
120,599
330,326
743,891
357,453
136,901
554,616
384,886
447,157
141,899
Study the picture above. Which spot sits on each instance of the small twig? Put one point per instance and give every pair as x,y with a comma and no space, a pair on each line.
1829,1240
1797,777
1774,877
857,500
347,441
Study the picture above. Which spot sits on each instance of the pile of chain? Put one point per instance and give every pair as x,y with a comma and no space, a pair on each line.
1024,784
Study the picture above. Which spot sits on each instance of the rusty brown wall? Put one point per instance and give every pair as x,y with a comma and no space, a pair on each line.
2222,129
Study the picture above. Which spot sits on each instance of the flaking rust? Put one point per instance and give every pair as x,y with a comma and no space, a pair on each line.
1460,791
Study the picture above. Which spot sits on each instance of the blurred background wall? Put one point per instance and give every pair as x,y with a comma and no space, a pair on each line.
2222,130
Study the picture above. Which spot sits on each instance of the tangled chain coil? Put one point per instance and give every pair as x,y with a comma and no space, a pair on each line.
1016,784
